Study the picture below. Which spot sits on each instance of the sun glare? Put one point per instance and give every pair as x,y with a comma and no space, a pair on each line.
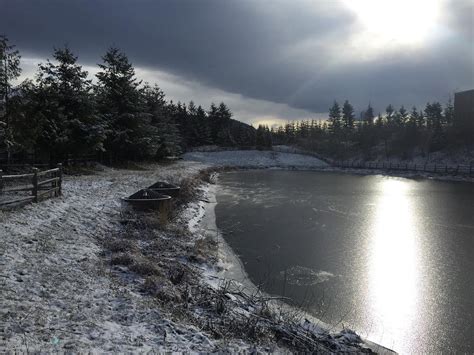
393,265
402,22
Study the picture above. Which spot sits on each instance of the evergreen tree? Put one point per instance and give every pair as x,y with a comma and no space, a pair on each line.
267,138
434,115
414,117
168,136
369,115
335,118
260,137
220,124
348,115
389,114
379,121
449,112
63,107
204,129
9,71
420,120
402,115
130,134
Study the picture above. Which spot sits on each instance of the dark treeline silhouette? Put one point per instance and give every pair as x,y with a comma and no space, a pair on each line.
62,113
396,132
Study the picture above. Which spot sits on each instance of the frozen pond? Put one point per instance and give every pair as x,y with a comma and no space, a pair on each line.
391,258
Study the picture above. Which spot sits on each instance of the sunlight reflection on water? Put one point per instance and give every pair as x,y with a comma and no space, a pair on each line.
393,261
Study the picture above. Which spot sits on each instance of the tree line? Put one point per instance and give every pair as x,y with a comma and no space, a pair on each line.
62,113
396,132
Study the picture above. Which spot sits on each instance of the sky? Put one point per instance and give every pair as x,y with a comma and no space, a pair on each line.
269,60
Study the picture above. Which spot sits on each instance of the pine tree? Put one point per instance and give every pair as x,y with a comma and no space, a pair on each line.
9,71
168,136
421,119
204,128
434,115
449,112
130,133
414,117
64,108
348,116
219,118
402,115
389,114
369,115
335,118
267,138
379,121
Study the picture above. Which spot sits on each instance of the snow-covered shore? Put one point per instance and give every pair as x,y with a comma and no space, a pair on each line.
64,288
256,159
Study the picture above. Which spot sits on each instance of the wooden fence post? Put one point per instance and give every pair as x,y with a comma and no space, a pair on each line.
60,182
35,185
1,181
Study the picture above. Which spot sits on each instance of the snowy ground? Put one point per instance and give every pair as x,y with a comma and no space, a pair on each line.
55,291
256,159
59,289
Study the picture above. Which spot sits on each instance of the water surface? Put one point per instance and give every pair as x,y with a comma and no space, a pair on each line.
390,257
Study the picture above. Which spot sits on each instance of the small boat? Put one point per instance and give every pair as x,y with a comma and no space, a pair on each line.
165,188
147,199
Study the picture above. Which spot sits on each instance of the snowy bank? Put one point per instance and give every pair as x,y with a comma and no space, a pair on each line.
256,159
58,292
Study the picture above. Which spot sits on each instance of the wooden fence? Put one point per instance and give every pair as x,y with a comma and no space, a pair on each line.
467,170
41,184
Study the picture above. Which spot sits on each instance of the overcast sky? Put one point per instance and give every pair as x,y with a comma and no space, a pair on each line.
269,60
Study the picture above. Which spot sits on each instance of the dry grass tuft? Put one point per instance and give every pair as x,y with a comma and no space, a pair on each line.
162,289
120,245
121,259
145,268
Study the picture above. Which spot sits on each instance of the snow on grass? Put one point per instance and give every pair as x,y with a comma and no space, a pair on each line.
56,292
256,159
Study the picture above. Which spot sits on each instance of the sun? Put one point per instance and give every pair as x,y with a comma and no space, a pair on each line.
397,21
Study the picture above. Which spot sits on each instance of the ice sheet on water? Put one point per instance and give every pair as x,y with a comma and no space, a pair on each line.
303,276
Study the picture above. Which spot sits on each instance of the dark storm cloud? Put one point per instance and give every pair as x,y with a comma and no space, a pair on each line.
280,51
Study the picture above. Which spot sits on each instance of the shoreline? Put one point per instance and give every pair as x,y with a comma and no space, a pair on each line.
406,175
277,160
232,268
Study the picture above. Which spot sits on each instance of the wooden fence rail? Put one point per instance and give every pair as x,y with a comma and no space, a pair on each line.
467,170
40,183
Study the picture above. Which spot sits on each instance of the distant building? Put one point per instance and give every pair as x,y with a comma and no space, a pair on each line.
464,110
